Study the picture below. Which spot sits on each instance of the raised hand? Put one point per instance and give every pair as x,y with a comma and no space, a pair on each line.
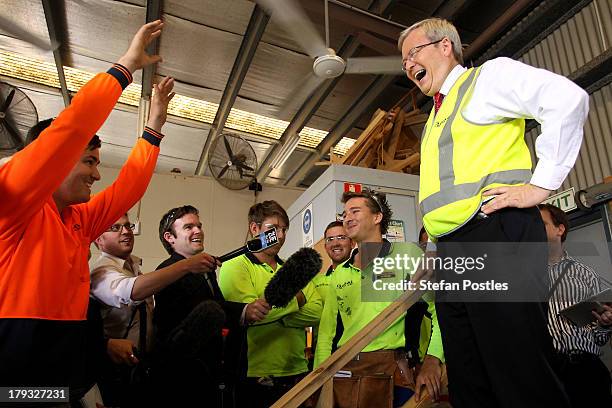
136,57
162,95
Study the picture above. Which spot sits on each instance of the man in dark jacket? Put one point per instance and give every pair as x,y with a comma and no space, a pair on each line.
192,350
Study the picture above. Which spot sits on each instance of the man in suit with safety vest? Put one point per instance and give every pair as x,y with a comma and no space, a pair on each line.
477,186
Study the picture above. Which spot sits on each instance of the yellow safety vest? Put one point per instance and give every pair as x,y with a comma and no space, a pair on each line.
460,160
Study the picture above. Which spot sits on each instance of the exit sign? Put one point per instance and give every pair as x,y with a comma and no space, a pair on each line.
564,200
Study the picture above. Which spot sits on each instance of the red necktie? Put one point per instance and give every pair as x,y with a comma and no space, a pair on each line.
438,98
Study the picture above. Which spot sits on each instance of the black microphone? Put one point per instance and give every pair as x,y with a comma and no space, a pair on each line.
202,324
297,271
264,240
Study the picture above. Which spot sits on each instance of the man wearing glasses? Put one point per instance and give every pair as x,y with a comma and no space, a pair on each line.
338,247
477,185
126,298
276,344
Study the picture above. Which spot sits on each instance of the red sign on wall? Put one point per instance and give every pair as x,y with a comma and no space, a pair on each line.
352,187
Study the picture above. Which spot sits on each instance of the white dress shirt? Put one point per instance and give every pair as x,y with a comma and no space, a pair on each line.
112,280
507,88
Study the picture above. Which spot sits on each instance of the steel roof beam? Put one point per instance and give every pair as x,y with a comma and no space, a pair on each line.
252,37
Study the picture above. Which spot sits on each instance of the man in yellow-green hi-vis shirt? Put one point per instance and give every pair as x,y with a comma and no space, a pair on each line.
338,247
477,197
352,292
276,345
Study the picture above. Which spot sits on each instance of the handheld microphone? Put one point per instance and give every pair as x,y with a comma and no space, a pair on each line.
264,240
297,271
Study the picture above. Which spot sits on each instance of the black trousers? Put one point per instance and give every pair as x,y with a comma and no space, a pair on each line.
500,354
586,379
256,393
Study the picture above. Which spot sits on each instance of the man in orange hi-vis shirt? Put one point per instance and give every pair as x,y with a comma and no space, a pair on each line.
47,221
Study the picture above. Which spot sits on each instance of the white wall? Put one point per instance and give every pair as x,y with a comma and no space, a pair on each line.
223,212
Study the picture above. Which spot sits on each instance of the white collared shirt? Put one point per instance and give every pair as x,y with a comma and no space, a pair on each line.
507,88
112,280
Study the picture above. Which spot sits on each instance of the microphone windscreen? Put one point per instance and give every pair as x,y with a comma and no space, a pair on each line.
202,324
297,271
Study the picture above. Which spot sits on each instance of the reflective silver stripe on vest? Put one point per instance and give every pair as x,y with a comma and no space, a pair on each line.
449,192
467,190
445,142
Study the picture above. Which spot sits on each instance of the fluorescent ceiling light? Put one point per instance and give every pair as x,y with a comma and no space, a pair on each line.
285,151
45,73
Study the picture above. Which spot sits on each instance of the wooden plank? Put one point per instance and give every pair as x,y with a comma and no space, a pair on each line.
410,139
378,116
395,136
317,378
352,161
416,119
326,397
398,165
368,159
426,401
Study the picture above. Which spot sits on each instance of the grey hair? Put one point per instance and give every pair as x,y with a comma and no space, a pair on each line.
436,29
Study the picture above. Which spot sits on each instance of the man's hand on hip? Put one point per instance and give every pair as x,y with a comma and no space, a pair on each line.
524,196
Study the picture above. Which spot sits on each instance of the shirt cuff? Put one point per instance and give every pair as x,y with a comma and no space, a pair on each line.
431,246
243,321
152,136
122,74
549,175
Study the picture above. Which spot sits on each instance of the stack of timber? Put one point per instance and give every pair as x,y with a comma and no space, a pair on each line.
388,143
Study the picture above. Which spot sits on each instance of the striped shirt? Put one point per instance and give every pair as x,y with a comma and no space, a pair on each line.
579,283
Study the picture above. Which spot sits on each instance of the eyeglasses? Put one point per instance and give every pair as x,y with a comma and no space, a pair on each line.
117,227
414,51
278,228
329,240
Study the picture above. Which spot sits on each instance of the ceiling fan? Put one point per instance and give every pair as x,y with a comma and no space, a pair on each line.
326,64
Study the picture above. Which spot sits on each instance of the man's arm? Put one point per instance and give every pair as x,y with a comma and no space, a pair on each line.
559,105
129,187
29,179
310,313
430,374
602,328
151,283
435,344
237,286
111,286
327,326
